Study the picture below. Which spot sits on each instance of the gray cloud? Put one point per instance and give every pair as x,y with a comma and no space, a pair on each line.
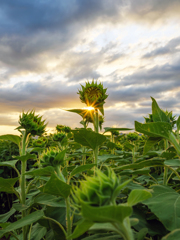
169,48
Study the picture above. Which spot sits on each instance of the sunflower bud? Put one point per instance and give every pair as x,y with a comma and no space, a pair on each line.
58,137
99,190
93,94
32,123
52,158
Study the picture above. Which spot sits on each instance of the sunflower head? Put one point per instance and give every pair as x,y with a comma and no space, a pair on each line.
97,190
32,123
93,94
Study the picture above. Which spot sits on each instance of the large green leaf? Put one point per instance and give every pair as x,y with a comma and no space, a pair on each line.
27,220
106,213
13,138
174,235
165,203
9,163
172,162
154,129
88,138
138,195
60,157
151,141
46,171
49,200
7,185
56,187
4,217
26,157
82,168
157,114
105,157
142,164
82,226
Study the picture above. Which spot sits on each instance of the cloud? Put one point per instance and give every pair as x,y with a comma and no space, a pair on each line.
170,48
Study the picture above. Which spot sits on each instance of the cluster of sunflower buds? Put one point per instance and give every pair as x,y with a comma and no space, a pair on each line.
32,123
99,190
93,94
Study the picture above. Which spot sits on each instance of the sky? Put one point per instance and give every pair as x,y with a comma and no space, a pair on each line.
49,48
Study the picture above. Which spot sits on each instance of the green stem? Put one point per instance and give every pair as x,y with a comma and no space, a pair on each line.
174,171
68,217
84,155
96,129
23,180
68,210
169,178
124,230
165,176
112,140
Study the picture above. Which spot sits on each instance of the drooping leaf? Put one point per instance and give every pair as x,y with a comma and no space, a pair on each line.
129,145
27,220
38,232
11,163
19,206
88,138
26,157
109,129
142,164
7,185
4,217
82,168
154,129
46,171
138,195
13,138
164,203
56,187
157,114
105,157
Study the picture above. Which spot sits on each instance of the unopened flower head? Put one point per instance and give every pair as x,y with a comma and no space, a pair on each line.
93,94
32,123
49,158
99,190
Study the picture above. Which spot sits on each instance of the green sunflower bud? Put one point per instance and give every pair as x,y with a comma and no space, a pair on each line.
93,94
52,158
32,123
99,190
40,142
58,137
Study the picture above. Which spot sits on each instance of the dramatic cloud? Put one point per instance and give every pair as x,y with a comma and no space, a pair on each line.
47,49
